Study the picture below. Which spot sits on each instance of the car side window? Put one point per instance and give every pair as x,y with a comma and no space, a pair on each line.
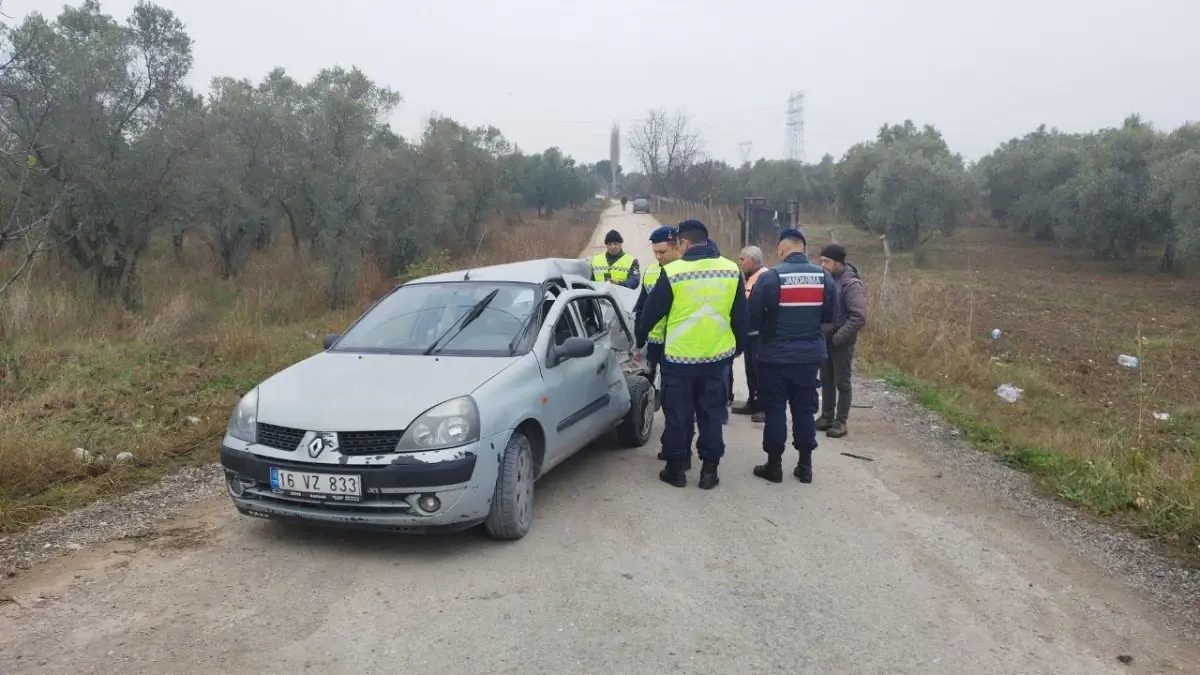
565,327
589,314
605,307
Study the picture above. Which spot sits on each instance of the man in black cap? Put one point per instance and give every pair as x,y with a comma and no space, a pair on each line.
841,336
704,305
788,306
615,265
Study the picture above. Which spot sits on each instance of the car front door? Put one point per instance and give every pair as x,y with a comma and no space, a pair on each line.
577,395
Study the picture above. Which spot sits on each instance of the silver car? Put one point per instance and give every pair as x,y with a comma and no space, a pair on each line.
641,205
444,402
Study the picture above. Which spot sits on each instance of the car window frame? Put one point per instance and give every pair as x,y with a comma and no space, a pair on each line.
535,288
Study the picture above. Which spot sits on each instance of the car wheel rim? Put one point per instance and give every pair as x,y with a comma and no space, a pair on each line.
647,413
524,486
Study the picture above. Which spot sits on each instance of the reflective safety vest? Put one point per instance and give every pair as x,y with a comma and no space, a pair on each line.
753,278
618,271
653,274
698,329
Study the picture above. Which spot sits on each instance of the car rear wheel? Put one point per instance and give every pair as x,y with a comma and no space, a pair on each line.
634,431
511,514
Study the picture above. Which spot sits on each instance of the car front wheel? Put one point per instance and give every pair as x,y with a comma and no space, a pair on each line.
511,514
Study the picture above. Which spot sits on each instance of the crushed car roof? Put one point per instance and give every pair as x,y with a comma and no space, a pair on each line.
529,271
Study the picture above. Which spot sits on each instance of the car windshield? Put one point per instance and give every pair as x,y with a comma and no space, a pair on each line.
414,317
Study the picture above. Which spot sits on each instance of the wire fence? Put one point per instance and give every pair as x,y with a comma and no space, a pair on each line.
723,222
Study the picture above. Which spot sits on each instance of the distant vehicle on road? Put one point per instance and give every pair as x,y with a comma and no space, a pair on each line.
641,205
441,406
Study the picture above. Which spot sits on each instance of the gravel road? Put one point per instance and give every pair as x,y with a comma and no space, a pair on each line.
925,560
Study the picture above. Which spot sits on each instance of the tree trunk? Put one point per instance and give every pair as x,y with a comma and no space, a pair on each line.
1168,259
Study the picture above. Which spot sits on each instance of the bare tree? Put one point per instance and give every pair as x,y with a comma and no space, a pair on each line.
27,204
665,146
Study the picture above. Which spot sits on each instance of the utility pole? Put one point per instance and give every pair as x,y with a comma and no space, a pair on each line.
745,148
795,127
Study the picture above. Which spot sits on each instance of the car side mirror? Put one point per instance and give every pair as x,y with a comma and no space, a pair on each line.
331,338
573,348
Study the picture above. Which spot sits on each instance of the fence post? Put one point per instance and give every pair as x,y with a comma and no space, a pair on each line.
887,263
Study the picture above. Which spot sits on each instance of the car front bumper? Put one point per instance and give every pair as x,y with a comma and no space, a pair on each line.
463,481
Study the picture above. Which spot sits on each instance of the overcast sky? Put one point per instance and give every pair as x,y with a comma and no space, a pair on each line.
557,72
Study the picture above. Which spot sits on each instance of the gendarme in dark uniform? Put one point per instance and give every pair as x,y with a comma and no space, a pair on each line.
788,304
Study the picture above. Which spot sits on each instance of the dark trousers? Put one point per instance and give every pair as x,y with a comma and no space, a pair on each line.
836,392
693,403
789,385
750,360
654,356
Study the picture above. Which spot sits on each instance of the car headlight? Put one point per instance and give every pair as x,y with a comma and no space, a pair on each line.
455,422
243,425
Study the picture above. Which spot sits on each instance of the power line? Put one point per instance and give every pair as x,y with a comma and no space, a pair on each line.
795,127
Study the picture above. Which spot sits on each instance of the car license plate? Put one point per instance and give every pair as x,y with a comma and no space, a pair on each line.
335,487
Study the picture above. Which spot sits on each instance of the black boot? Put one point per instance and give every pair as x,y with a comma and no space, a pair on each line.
708,475
673,473
687,464
748,408
771,471
804,467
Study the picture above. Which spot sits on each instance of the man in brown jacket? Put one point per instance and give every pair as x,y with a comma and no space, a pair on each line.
841,335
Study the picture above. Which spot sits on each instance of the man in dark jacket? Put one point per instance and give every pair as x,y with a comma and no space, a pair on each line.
788,306
704,304
841,334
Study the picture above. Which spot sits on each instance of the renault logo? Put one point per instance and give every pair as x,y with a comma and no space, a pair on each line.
321,442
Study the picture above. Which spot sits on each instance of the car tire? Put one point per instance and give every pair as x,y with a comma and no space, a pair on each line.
634,431
511,514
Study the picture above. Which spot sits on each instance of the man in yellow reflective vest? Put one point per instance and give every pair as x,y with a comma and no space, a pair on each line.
615,265
704,304
665,243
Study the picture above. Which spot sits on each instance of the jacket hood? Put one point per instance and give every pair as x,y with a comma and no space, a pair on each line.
702,251
851,272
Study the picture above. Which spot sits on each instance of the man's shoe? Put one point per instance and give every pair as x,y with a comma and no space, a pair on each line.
759,418
838,430
771,471
708,476
673,473
824,424
747,408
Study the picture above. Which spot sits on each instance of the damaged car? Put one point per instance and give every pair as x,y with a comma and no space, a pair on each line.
442,405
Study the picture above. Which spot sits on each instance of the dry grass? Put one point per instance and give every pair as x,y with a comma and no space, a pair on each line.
1086,426
76,372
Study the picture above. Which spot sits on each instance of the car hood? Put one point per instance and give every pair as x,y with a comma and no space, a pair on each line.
369,392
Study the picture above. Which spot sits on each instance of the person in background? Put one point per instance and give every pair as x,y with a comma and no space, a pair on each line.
615,265
788,306
841,336
750,260
624,200
665,243
704,304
